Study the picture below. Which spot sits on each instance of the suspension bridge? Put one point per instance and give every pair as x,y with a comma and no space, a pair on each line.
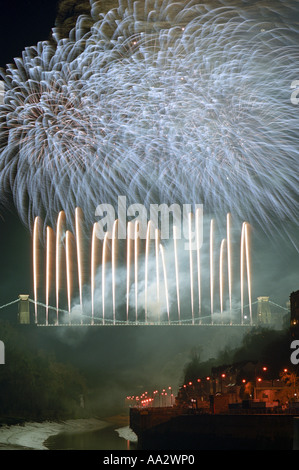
61,317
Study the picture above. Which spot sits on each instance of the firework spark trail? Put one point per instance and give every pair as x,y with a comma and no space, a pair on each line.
177,282
245,259
59,235
93,268
113,260
104,260
229,258
191,266
128,268
48,268
212,265
146,267
68,239
36,229
157,101
221,278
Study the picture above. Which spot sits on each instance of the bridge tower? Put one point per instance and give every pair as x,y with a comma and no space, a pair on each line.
263,310
24,311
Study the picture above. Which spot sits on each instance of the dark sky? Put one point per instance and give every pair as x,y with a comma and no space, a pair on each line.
22,23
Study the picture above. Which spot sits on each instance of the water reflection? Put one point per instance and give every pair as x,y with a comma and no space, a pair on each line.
102,439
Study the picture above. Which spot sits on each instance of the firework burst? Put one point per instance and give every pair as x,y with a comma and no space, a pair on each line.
160,102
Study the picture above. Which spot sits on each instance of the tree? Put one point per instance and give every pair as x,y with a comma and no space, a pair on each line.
193,370
290,379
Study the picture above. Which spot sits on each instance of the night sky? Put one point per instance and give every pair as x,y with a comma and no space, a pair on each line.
24,23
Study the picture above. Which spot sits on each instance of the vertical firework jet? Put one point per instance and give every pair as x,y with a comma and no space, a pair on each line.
160,271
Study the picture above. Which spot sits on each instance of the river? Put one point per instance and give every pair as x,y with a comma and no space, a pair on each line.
102,439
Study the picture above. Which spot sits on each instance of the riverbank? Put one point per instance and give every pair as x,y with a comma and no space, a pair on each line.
32,435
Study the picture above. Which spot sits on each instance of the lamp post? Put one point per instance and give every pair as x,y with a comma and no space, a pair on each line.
171,395
222,377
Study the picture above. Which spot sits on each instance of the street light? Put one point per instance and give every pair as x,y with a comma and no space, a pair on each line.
171,394
222,377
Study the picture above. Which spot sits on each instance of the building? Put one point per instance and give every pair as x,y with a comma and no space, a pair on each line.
294,306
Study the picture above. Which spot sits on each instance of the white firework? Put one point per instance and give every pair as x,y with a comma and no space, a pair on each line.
160,102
